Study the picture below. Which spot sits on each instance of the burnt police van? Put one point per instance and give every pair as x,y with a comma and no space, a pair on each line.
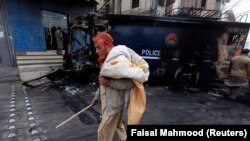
180,50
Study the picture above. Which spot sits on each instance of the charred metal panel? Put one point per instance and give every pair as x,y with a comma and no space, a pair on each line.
32,65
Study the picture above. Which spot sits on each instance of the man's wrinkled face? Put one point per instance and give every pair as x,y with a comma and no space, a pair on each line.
100,49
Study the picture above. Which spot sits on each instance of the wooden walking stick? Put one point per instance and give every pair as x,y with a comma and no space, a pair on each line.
70,118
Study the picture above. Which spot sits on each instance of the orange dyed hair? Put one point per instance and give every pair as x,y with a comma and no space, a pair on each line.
103,38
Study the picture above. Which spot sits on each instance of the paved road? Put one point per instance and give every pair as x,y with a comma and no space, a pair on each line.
31,114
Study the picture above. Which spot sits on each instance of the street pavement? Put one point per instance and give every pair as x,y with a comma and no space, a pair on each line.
31,114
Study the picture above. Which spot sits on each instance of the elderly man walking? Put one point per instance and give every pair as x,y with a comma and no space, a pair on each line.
121,79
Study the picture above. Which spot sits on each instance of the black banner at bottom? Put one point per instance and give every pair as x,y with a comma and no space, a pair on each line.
194,132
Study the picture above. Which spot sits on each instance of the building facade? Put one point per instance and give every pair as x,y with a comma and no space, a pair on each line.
154,7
